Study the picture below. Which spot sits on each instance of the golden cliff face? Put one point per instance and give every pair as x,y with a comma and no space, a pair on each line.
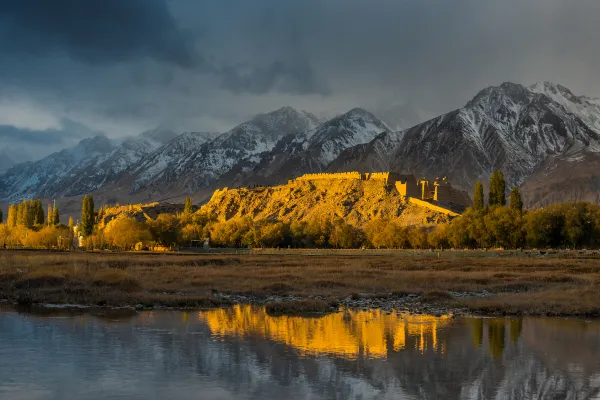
356,201
349,334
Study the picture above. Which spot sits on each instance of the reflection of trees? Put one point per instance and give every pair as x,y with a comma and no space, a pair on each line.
496,333
254,357
477,324
516,327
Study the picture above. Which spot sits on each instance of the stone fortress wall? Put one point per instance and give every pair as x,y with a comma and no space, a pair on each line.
439,191
324,176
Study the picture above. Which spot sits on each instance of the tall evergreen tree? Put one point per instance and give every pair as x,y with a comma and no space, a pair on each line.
91,210
516,202
85,223
31,211
189,207
87,215
493,187
501,191
478,196
50,214
55,216
39,218
1,217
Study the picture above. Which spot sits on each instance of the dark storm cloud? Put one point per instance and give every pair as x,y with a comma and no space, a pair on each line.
123,66
66,134
96,31
294,78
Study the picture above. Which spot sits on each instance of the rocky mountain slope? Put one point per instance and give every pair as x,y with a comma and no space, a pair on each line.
356,201
307,152
85,168
508,127
185,168
47,176
543,137
6,160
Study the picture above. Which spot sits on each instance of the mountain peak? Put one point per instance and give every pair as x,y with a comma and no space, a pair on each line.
516,92
553,90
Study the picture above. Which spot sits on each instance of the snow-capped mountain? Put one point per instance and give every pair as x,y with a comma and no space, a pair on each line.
508,127
42,177
178,150
190,168
543,137
87,167
307,152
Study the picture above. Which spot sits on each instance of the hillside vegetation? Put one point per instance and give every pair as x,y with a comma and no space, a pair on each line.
357,202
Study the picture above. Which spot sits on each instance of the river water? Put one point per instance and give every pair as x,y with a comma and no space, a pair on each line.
244,353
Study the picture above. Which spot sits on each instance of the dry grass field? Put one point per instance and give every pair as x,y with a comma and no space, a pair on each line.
557,285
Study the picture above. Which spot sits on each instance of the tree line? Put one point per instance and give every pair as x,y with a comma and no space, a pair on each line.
496,223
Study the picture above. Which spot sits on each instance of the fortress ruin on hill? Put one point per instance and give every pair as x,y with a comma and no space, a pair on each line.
438,191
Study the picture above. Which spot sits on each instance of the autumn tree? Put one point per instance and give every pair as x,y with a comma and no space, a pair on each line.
38,213
87,215
497,195
47,237
344,235
188,208
417,237
438,238
11,219
385,234
50,215
165,230
504,227
126,233
55,216
230,233
516,203
478,202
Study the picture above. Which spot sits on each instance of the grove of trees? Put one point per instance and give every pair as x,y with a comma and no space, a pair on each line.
491,224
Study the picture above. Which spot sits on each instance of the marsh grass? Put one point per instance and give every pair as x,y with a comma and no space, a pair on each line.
557,285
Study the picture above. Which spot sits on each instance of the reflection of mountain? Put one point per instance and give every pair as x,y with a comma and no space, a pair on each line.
241,354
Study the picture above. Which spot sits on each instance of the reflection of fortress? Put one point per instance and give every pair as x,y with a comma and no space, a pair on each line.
422,192
350,334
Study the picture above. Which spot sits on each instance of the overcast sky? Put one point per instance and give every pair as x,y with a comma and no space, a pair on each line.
73,68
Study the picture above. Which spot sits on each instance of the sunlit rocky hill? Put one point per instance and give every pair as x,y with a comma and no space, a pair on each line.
356,201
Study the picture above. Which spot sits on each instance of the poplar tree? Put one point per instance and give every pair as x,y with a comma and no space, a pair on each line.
478,197
497,189
516,202
87,215
22,214
50,214
55,216
39,217
11,219
501,193
71,223
189,207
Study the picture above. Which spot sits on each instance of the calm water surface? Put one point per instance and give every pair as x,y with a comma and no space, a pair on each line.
243,353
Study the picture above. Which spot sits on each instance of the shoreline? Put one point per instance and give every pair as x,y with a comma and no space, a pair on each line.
407,282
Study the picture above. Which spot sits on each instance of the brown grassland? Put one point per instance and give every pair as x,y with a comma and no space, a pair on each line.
561,284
